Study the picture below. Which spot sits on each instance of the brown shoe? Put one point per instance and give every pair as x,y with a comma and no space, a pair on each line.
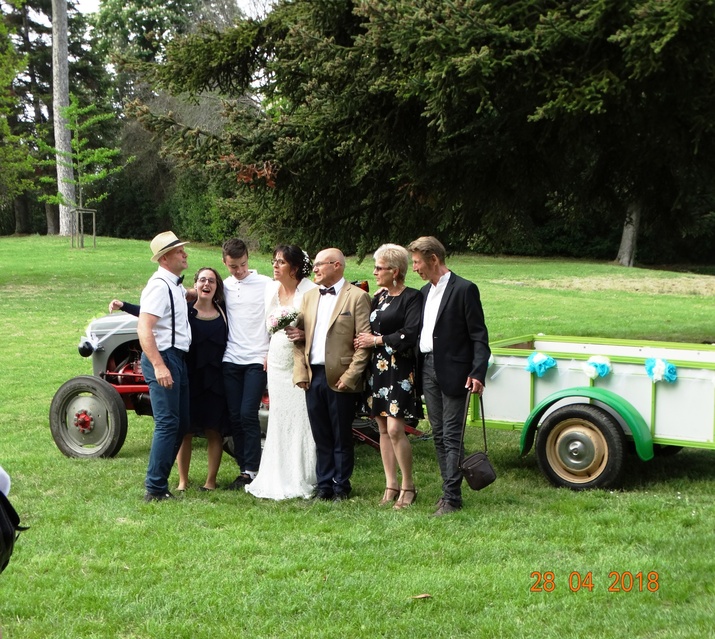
445,509
390,495
402,501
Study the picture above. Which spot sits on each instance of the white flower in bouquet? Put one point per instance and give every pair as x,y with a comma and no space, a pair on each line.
280,318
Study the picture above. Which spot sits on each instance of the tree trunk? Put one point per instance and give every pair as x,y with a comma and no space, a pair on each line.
60,99
22,215
52,216
629,238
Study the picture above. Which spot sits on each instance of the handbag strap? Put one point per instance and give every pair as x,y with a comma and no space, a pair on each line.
464,424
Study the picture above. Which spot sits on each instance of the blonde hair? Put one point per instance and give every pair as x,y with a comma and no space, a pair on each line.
395,256
428,246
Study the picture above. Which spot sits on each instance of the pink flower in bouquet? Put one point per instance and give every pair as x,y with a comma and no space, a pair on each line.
280,318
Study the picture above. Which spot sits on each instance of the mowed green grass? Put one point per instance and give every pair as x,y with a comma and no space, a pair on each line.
99,562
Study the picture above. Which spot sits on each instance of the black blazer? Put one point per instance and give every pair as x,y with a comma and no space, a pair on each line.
460,338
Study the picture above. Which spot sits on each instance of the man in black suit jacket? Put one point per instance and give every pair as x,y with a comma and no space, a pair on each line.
454,353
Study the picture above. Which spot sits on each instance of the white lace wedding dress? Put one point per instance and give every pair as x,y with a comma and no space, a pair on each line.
287,466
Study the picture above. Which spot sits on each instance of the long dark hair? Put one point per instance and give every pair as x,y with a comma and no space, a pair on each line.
218,295
297,259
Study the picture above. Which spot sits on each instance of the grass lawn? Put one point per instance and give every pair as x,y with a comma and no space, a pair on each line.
522,559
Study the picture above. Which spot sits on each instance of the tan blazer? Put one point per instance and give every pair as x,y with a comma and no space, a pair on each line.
351,316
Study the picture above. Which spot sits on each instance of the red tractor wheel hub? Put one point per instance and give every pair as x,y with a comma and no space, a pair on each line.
83,421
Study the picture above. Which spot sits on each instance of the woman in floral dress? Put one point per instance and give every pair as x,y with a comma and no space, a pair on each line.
395,321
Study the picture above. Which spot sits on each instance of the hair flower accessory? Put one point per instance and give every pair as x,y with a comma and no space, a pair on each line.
660,370
280,318
307,266
539,363
597,366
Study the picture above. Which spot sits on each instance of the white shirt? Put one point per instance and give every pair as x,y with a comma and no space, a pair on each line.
429,318
155,300
245,305
326,306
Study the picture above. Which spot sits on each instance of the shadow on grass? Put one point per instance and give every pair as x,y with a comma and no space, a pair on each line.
688,467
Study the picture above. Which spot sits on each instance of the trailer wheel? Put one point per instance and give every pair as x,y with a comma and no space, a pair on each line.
580,446
88,418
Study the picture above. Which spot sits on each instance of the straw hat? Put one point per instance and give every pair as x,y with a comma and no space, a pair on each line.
163,243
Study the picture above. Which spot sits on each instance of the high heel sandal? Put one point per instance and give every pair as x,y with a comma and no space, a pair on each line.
386,498
401,503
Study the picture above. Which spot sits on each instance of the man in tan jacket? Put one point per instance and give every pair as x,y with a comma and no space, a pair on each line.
330,370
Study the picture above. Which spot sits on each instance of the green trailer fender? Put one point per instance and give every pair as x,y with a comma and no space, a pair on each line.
639,429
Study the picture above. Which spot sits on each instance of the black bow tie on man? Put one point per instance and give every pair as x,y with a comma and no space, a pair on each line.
327,291
179,280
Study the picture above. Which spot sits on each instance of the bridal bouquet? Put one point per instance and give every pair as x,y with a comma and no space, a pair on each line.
280,318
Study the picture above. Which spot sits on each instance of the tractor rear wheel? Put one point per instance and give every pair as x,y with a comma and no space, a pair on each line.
88,418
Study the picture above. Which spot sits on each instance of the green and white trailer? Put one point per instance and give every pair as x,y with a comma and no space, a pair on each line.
584,400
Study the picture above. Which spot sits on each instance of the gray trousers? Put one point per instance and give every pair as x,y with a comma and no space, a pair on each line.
446,416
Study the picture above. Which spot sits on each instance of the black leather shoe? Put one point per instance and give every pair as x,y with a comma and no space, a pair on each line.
157,496
340,496
322,495
239,482
446,508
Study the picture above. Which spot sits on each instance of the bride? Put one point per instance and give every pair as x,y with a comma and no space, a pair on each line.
287,466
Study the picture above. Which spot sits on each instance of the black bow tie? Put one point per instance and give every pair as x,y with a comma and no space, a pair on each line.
327,291
179,280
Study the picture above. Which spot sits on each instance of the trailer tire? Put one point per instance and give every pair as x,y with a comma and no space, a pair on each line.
92,405
580,446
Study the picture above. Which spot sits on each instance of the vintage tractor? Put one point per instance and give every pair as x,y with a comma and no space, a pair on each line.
88,414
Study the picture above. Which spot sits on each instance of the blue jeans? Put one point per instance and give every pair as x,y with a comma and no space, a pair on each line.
170,407
244,384
446,416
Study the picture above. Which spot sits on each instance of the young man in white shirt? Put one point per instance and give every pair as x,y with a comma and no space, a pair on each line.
244,362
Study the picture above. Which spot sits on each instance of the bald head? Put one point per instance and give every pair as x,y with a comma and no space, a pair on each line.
329,266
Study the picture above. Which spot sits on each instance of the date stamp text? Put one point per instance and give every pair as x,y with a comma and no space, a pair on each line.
617,581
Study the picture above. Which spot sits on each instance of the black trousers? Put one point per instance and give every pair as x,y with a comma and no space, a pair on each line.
331,417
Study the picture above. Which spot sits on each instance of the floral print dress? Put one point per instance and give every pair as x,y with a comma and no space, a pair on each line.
392,373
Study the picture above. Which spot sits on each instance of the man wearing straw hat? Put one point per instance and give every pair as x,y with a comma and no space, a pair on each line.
165,336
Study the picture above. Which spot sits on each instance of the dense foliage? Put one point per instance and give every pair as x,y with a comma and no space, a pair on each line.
484,123
531,126
30,112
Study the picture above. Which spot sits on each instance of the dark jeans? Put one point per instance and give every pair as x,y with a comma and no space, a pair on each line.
170,407
244,384
331,417
446,416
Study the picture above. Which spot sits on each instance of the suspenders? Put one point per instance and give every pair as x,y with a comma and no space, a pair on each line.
173,314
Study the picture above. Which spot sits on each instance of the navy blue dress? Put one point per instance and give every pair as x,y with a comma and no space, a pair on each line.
206,389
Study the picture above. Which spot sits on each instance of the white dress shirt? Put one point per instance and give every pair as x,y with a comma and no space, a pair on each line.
429,319
155,300
326,306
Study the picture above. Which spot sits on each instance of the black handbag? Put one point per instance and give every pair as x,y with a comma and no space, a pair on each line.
9,529
476,468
